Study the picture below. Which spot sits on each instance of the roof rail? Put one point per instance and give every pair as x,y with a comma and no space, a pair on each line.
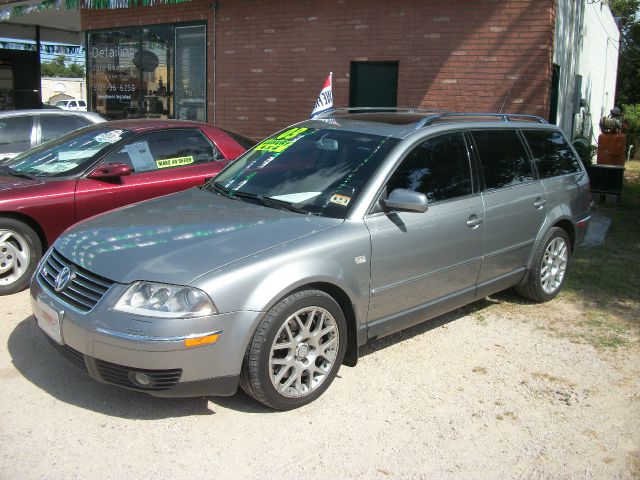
434,115
505,117
347,110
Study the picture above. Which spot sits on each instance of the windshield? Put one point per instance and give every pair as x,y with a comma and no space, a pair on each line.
68,155
62,103
320,171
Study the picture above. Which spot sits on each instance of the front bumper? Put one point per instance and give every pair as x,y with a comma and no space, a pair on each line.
112,347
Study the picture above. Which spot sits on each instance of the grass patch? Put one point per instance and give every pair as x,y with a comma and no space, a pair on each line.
606,280
600,304
611,271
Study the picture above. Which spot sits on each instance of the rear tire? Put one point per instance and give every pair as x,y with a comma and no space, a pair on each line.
296,351
549,267
20,251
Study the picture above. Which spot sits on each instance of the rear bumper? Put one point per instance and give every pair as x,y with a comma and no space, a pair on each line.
581,229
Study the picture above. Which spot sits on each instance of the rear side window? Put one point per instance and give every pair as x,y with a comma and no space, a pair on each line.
503,158
551,153
15,134
54,126
438,168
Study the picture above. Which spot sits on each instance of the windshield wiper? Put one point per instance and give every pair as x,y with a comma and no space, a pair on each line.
271,202
219,189
13,173
266,201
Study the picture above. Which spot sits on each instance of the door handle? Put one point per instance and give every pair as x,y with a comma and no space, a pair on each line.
539,203
474,221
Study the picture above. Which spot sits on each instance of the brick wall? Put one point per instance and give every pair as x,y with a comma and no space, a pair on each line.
272,56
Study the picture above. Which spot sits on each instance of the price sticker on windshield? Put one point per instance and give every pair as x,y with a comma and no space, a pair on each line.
283,141
340,199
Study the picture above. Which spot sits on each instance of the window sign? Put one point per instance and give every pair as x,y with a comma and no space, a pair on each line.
113,76
132,72
140,156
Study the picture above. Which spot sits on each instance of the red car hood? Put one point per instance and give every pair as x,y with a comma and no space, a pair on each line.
7,183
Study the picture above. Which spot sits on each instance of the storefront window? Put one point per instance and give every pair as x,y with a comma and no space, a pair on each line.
191,85
132,72
113,76
157,72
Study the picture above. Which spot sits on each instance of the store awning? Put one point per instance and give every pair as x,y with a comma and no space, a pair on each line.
59,20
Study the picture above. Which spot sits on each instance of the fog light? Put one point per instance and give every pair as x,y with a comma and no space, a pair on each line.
141,379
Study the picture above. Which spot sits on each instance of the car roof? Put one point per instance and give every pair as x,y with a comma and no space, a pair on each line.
145,124
142,125
96,117
400,123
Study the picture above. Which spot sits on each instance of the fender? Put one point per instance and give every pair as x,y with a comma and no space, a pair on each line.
285,269
557,214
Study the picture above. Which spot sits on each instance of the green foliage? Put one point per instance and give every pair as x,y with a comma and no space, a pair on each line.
585,150
628,88
632,119
57,68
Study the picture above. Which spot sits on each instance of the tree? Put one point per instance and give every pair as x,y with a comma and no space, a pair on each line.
628,88
58,68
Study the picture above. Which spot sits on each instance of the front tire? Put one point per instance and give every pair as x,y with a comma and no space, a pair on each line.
296,351
20,251
549,267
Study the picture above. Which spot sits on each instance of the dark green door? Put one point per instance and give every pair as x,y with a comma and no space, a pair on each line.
374,84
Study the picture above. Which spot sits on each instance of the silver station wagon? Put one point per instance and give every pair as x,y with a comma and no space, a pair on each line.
332,232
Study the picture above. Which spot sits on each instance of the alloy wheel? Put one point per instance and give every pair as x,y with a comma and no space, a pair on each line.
554,265
303,352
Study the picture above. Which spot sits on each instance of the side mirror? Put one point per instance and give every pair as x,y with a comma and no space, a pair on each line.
111,170
406,201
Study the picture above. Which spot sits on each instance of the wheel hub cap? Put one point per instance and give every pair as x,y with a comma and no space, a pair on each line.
8,256
14,256
302,351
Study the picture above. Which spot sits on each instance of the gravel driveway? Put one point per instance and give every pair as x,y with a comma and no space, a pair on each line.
485,392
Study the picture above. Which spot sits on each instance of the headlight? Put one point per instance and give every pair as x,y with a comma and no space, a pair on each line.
162,300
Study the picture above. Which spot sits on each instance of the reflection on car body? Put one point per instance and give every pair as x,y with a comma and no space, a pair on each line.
95,169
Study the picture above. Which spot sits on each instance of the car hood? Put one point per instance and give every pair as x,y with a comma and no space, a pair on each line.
179,237
9,183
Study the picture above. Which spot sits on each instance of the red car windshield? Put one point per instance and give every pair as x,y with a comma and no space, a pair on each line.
68,155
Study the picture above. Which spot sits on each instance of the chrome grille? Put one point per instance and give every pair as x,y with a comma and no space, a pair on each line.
82,292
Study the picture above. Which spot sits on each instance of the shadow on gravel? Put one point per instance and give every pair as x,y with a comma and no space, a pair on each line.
38,362
381,343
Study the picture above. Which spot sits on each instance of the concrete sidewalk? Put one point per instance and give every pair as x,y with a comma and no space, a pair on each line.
597,232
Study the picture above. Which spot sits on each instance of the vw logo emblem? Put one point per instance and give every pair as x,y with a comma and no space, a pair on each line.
63,278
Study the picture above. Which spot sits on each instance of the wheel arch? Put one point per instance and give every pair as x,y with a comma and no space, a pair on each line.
346,305
31,223
343,299
566,225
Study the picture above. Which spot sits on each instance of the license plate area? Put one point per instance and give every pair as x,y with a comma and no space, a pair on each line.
49,320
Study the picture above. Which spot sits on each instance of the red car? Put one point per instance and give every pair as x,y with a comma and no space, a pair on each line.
98,168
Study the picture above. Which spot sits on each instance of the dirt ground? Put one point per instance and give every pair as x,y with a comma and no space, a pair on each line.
499,389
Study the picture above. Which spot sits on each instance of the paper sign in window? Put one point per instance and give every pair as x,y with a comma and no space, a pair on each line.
174,162
140,156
